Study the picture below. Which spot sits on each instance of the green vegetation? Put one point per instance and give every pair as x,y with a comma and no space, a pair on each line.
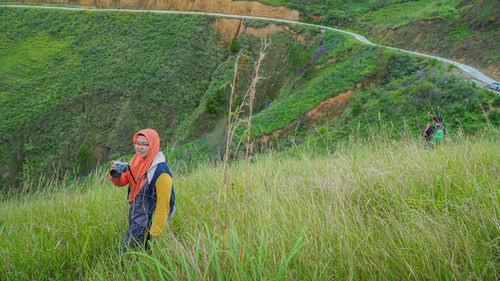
84,160
73,78
91,78
208,117
455,29
399,89
298,56
235,45
349,193
373,209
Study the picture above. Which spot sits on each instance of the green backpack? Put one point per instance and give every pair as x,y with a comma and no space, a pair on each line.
438,136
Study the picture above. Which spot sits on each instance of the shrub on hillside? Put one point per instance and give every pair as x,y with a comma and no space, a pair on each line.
378,4
338,17
356,109
494,116
215,103
84,159
235,45
298,55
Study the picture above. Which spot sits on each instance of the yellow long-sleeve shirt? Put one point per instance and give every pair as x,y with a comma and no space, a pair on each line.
163,192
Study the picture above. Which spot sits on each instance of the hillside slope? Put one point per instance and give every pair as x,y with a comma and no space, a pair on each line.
248,8
95,78
77,85
462,30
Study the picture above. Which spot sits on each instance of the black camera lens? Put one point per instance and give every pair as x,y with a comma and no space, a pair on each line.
118,170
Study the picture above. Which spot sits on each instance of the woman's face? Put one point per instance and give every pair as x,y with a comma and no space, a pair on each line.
141,146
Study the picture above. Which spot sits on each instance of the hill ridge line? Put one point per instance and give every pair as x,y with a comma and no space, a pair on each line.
475,73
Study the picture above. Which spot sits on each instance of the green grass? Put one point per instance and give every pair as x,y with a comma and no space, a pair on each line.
90,78
331,80
456,29
35,50
80,77
25,64
400,14
73,78
381,209
397,88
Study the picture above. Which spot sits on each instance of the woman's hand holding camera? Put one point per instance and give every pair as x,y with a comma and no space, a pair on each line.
113,165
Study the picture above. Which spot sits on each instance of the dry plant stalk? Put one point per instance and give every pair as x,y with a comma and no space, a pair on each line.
234,122
249,145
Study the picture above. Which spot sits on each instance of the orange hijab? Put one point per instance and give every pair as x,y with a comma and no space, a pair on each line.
140,166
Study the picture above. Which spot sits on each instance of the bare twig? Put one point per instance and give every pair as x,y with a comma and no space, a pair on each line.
229,138
235,122
249,146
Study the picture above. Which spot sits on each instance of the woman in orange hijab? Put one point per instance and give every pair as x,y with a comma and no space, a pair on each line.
151,193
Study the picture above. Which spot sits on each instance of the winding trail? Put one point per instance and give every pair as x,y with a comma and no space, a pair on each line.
473,72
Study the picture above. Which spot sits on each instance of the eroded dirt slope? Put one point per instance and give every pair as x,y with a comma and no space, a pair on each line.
248,8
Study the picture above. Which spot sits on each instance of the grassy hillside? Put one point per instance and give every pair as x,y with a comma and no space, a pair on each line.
463,30
95,78
466,31
77,85
370,210
347,190
74,79
387,91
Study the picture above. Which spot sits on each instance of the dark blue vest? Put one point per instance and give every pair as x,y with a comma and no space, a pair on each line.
142,208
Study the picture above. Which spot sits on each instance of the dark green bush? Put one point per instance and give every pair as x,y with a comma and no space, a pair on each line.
215,104
235,45
356,109
84,159
494,116
298,55
338,17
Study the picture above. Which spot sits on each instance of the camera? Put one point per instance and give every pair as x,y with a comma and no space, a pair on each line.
119,169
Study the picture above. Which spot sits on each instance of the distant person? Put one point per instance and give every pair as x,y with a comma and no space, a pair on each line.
435,133
150,192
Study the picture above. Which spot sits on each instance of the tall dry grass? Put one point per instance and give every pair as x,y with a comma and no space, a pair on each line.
384,210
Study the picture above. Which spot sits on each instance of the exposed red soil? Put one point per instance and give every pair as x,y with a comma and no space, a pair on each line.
324,111
321,113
